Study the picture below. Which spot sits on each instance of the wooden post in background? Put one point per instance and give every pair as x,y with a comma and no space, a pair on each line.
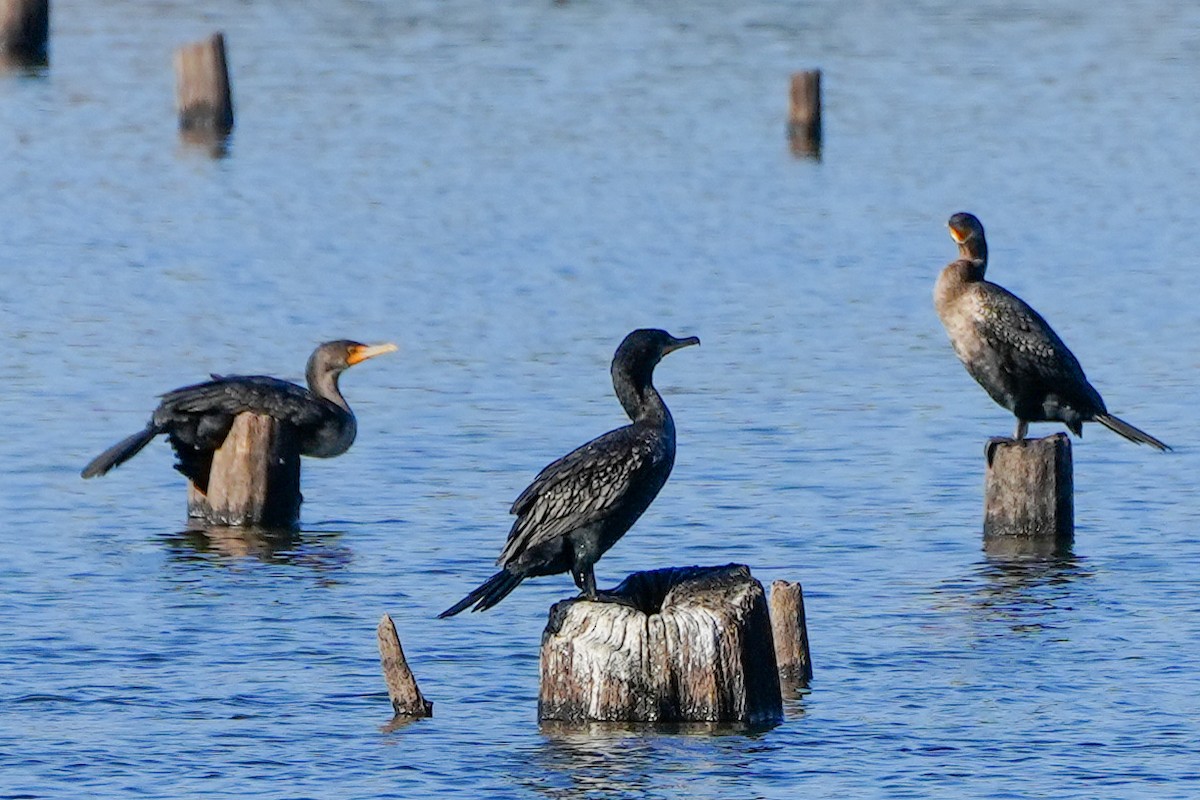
689,644
255,476
1028,489
804,116
202,92
791,634
24,31
406,697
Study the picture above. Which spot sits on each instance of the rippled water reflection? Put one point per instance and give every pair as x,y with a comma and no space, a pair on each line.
506,191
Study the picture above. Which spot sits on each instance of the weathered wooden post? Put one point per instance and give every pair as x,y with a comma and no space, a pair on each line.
790,632
1028,491
24,31
804,116
406,697
690,644
255,476
202,92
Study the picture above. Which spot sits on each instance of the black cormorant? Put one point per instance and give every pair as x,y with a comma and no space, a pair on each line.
580,505
1010,350
197,418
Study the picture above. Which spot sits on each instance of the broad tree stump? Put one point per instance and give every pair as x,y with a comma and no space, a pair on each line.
406,697
24,31
1028,490
202,92
804,114
790,631
690,644
255,476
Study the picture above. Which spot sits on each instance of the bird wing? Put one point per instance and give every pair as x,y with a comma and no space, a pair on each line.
578,489
235,394
1030,346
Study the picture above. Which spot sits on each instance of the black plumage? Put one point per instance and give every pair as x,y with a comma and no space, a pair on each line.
197,418
1010,350
580,505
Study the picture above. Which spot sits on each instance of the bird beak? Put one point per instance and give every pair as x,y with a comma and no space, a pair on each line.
678,343
363,352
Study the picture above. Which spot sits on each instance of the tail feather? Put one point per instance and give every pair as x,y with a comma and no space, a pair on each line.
120,452
1128,431
487,594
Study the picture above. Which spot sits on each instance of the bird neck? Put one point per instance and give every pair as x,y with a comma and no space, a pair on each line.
639,398
974,249
324,384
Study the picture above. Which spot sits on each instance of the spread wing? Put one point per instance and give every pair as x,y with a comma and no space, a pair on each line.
578,489
233,395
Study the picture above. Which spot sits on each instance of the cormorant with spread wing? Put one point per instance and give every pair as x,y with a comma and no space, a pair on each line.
197,418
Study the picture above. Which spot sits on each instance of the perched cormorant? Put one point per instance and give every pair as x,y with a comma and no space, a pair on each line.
1010,350
579,506
197,418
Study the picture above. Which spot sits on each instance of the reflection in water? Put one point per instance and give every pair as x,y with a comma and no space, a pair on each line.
605,759
213,144
318,550
1025,582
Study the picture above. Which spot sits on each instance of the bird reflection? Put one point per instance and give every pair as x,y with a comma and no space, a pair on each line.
318,550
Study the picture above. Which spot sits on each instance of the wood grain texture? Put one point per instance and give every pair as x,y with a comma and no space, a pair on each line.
255,476
1028,488
406,697
791,632
679,645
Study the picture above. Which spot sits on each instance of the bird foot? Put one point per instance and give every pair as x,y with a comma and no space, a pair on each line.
989,449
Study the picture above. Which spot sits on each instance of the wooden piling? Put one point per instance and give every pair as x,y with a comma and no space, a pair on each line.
202,92
1028,489
690,644
24,31
790,632
406,697
804,116
255,476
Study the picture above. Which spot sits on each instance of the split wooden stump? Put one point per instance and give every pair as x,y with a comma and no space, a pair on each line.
690,644
804,114
255,476
202,93
1028,490
24,31
406,697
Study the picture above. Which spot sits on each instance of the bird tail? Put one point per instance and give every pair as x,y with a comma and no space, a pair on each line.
120,452
1128,431
487,594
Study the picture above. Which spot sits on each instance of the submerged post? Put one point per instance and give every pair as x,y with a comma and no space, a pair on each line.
791,633
24,31
202,92
406,697
255,476
804,116
690,644
1028,489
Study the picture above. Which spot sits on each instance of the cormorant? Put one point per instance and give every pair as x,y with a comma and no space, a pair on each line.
1010,350
580,505
197,418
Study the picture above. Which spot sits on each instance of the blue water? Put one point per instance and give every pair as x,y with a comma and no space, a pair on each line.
505,191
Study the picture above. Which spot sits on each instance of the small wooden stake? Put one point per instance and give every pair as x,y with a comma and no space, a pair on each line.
804,117
255,476
688,644
24,31
1028,489
202,87
791,632
407,700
